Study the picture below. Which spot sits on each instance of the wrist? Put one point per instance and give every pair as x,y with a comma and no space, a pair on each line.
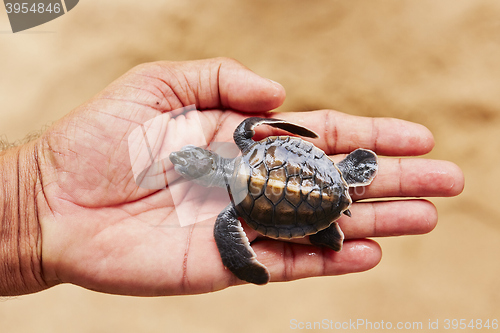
20,235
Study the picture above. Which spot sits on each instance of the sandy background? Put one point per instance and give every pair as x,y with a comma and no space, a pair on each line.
432,62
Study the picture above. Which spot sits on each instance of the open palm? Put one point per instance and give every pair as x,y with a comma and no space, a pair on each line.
102,231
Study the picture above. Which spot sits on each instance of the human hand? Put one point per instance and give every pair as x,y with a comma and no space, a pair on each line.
101,231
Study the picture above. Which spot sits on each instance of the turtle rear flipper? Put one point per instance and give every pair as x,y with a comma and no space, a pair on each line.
244,132
331,237
359,167
235,250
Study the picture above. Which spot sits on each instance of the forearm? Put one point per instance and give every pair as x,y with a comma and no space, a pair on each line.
20,237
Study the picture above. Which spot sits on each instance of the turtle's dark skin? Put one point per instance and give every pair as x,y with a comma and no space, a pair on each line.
282,186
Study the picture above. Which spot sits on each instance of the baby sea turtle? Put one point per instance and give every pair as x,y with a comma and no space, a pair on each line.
282,186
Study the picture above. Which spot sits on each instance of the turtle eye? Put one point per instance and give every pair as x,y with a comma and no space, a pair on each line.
177,160
197,168
193,162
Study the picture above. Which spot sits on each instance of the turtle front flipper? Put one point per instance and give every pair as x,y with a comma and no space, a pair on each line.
244,132
331,237
359,167
235,250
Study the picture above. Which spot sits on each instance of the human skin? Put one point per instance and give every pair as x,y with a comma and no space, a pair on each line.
72,212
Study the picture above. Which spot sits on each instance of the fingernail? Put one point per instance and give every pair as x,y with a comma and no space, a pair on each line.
278,88
275,83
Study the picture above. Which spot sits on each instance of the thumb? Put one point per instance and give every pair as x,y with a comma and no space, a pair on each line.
218,83
243,90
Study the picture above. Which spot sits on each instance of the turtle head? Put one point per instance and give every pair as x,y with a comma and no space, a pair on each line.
194,163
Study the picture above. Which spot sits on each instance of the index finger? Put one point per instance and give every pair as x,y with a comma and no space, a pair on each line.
340,133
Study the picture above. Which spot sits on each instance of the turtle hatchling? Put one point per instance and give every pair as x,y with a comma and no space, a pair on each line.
282,186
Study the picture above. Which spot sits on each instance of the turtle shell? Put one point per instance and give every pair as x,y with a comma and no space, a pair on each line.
285,187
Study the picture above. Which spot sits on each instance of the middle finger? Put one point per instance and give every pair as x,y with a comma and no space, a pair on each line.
412,177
